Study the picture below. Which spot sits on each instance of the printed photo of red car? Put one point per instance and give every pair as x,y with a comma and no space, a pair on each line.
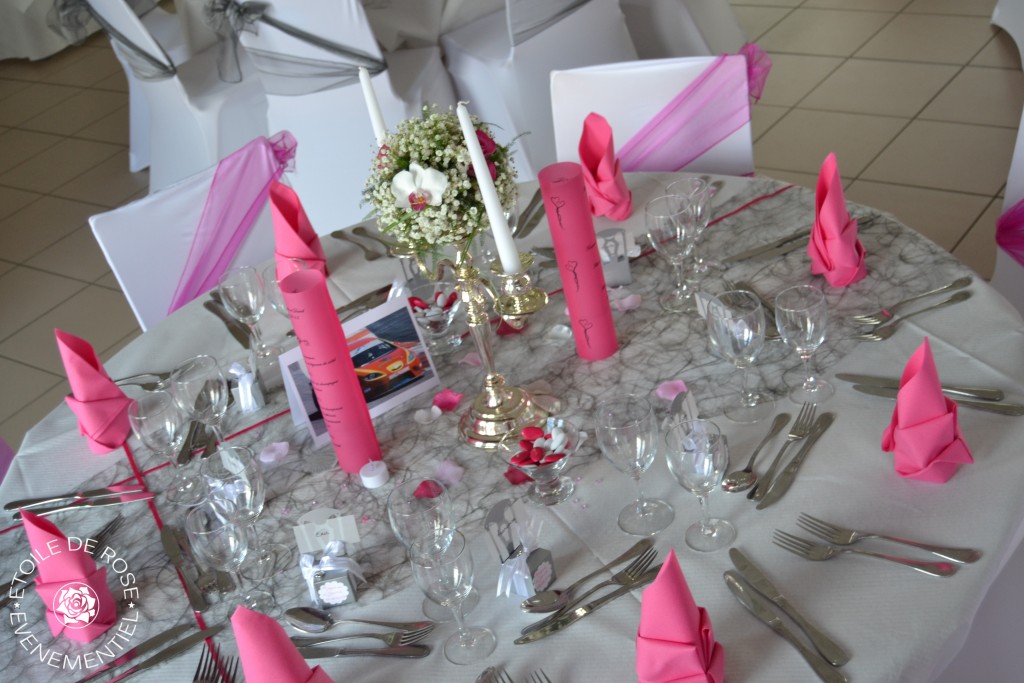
383,366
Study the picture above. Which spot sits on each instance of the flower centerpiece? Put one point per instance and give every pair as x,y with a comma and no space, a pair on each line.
422,183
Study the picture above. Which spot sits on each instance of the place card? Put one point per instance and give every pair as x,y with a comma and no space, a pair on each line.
319,528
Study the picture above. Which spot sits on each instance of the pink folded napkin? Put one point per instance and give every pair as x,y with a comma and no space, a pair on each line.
834,249
75,593
924,435
294,236
675,641
602,172
267,655
99,404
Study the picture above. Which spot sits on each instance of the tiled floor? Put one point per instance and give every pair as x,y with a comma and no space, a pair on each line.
920,100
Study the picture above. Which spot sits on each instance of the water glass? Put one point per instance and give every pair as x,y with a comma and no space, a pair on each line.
801,314
671,229
241,290
736,324
200,389
698,458
697,192
161,426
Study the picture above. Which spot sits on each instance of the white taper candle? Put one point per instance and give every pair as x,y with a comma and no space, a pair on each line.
372,106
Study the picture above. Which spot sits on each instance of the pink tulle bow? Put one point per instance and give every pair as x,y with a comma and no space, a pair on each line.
1010,232
759,64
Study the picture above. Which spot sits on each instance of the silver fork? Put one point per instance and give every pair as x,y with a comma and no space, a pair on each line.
842,536
213,668
539,676
498,675
800,429
368,253
624,577
885,331
392,638
820,551
885,314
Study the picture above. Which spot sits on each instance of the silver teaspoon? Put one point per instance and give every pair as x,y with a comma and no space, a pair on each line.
315,620
741,480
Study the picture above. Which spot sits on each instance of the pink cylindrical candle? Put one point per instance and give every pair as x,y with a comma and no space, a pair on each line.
330,369
579,262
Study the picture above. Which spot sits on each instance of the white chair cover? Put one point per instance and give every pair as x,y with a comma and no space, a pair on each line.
630,94
502,63
322,104
682,28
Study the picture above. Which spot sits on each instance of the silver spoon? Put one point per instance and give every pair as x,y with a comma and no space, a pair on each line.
315,620
741,480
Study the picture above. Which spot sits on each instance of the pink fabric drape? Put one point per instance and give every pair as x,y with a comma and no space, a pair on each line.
237,195
1010,232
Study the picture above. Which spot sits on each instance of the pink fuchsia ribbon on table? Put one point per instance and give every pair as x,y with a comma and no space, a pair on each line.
602,173
834,249
267,654
1010,232
238,193
924,435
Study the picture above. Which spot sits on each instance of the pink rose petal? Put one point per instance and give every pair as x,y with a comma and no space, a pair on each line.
628,303
516,477
668,390
274,452
449,473
428,489
446,400
472,358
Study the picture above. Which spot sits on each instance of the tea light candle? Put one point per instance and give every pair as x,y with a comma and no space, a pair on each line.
507,251
372,106
374,474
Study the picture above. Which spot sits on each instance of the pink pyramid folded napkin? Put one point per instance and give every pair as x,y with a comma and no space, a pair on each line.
834,249
602,173
99,404
675,642
294,236
924,435
75,593
267,655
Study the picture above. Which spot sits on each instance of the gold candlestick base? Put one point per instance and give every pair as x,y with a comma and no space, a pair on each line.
484,425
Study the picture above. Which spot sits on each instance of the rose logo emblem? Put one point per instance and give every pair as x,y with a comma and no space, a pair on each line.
76,605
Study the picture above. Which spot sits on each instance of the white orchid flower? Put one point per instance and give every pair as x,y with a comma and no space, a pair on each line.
418,187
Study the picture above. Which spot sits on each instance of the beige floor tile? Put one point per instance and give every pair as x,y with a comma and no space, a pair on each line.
6,266
59,164
14,428
978,8
763,117
772,3
26,70
8,87
109,280
109,183
117,82
980,95
77,255
943,217
77,112
32,101
929,38
824,32
1001,51
12,200
94,66
26,294
802,139
809,180
756,20
96,314
948,156
111,351
978,248
875,5
21,385
40,225
793,76
868,86
17,146
111,128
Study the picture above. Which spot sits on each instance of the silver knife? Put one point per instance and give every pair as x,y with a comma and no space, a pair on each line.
406,651
115,490
170,652
532,215
778,486
196,599
952,389
826,647
785,249
758,606
771,330
765,248
566,620
139,650
96,503
242,337
988,406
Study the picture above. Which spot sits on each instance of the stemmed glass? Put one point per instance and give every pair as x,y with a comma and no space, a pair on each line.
272,276
241,290
801,314
671,229
434,307
736,324
161,426
698,195
628,435
698,458
223,543
443,569
200,389
233,477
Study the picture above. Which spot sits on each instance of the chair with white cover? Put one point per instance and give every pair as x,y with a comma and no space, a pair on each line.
502,63
708,96
682,28
196,119
307,55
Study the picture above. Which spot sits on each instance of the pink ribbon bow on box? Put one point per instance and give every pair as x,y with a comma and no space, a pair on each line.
675,642
924,435
294,236
602,173
834,248
100,406
267,655
75,593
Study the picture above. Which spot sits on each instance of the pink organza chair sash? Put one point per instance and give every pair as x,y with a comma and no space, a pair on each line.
238,193
707,111
1010,232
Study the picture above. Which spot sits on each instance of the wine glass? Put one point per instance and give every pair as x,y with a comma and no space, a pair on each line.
223,543
434,307
698,458
801,314
559,437
671,228
200,389
160,425
233,476
272,276
628,435
443,569
241,290
697,192
736,324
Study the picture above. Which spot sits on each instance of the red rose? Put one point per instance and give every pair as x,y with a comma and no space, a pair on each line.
488,145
